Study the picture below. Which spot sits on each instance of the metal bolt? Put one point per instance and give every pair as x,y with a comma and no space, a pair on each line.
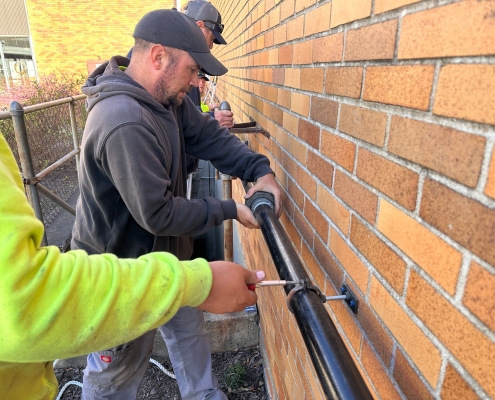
343,289
352,303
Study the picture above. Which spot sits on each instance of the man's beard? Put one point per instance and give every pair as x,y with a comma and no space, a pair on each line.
162,90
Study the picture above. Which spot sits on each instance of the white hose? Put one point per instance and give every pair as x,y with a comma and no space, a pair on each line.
160,366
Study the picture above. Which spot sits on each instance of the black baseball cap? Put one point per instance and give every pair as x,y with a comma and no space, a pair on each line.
173,29
201,10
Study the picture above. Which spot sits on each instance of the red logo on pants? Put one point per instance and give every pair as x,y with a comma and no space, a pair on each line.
106,358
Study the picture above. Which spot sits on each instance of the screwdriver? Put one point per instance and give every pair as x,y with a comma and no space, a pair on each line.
253,286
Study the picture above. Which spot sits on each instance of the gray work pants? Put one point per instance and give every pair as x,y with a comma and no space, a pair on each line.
116,374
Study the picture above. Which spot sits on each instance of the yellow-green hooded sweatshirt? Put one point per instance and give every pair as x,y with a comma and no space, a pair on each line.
55,305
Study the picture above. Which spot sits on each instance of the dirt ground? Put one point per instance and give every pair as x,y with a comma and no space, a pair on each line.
239,373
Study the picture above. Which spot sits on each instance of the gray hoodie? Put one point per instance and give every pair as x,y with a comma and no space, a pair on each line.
133,169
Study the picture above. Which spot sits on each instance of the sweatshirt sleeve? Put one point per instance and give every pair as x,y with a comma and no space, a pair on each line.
55,305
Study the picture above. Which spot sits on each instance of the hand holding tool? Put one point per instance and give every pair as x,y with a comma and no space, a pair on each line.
253,286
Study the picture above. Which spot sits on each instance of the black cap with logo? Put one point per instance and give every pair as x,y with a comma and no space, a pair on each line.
173,29
200,10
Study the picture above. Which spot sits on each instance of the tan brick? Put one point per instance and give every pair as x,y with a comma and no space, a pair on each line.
328,263
291,123
364,124
274,17
307,182
335,211
287,9
303,53
387,5
455,387
396,181
466,91
453,153
374,42
300,103
377,374
408,380
312,79
405,85
318,20
280,34
303,226
478,295
295,28
385,260
312,265
324,111
351,263
293,77
314,217
283,98
302,4
285,54
435,33
419,348
339,150
437,258
344,11
298,150
274,113
309,133
344,81
347,322
328,48
320,168
293,233
490,183
472,228
474,351
296,194
269,38
356,196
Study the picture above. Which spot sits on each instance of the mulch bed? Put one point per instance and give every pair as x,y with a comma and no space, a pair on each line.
239,373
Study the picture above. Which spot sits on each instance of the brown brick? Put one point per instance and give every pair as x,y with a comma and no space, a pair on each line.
319,223
293,77
295,28
320,168
307,183
328,263
286,9
367,125
312,79
296,194
339,150
378,374
435,33
278,76
407,379
466,221
385,260
303,53
455,387
318,20
303,226
356,196
312,265
478,295
298,150
269,38
346,321
285,54
374,42
344,81
468,345
466,91
291,123
309,133
453,153
405,85
344,11
293,233
302,4
351,263
280,34
335,211
290,165
300,103
490,183
324,111
418,347
437,258
387,5
273,112
328,48
283,98
396,181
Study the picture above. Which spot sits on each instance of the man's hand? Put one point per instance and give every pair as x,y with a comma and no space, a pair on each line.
245,216
225,118
268,183
213,106
229,291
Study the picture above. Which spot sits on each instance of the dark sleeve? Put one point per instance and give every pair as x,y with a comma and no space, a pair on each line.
138,167
206,140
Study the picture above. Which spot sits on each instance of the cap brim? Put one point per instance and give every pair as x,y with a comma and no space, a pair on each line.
209,64
218,38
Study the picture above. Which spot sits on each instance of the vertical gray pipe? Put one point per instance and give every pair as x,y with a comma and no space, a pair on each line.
17,113
73,125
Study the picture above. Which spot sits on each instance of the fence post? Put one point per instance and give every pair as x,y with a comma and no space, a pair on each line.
73,124
17,113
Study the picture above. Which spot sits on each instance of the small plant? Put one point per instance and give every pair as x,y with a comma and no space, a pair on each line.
235,376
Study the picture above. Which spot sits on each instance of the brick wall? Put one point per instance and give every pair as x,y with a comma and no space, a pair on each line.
66,34
382,121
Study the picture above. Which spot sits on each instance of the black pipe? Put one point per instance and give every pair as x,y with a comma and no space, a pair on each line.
339,376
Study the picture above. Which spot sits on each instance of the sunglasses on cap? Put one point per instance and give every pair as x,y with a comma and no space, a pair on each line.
217,27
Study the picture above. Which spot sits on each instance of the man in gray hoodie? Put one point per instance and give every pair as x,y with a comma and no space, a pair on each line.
133,177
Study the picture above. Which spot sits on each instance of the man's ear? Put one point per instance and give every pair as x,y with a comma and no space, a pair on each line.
157,56
201,24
